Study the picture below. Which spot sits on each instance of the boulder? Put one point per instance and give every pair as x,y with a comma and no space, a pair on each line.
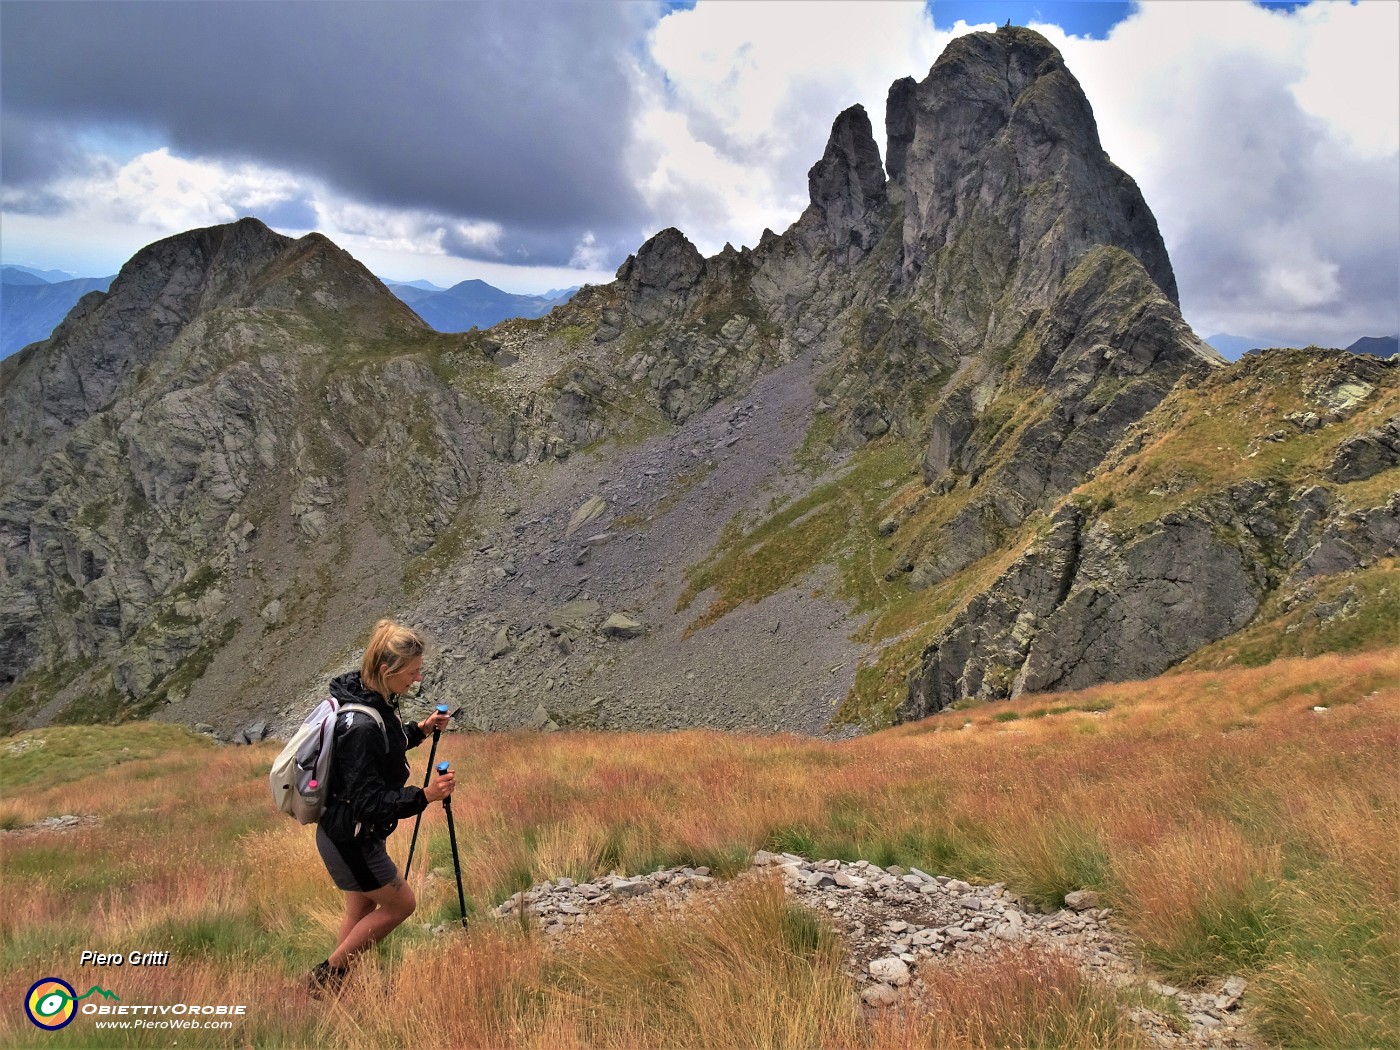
622,627
591,510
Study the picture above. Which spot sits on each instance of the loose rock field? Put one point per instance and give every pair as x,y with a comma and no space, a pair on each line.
899,924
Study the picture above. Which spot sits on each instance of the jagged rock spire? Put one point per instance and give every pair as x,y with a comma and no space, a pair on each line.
899,126
847,186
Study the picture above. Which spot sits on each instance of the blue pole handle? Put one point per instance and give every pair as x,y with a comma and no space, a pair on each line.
443,766
442,709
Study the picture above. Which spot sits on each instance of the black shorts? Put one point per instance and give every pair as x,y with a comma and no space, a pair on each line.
358,866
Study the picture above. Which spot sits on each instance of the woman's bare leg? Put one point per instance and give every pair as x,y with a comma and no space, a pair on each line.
357,906
391,905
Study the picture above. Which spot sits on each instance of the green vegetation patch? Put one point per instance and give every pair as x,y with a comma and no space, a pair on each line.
221,934
1249,422
59,754
34,690
837,523
449,546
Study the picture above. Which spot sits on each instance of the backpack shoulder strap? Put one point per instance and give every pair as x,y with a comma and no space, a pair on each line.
366,709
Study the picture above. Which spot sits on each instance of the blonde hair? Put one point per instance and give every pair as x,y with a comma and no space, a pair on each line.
390,649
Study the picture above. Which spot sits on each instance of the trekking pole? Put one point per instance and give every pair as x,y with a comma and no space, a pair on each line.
452,836
427,773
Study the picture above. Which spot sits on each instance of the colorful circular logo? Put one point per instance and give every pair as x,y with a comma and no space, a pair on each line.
51,1003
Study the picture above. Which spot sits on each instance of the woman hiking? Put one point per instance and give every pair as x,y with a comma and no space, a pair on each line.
367,796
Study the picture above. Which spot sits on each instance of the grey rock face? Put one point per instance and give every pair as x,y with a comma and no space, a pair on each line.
661,274
1367,455
104,342
899,126
1105,353
1088,604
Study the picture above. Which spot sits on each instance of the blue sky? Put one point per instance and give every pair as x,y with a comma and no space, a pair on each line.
535,145
1077,19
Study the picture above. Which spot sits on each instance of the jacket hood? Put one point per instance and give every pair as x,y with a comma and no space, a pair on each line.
348,689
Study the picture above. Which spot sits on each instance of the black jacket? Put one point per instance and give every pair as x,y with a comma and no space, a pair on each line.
369,768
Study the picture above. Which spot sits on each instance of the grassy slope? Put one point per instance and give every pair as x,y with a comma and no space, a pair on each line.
1234,829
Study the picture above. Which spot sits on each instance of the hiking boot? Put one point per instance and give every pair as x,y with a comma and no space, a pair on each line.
325,980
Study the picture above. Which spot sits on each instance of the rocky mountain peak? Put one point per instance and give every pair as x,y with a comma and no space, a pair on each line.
1006,184
899,127
107,341
315,274
202,268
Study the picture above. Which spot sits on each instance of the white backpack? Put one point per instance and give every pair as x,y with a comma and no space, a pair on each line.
301,773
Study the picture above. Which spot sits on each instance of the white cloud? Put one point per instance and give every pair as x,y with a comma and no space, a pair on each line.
588,254
1265,144
402,230
1297,276
738,101
160,191
1349,75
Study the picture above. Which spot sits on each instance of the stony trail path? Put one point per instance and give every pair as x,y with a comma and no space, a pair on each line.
896,925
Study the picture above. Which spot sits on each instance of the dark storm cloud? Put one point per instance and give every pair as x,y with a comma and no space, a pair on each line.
34,153
514,114
290,215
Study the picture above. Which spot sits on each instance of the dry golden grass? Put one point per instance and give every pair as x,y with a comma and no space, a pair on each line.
1233,828
1018,998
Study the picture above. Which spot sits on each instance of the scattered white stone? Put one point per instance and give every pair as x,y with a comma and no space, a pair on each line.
890,970
879,995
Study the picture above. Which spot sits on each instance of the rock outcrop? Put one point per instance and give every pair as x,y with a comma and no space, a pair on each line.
1100,596
658,278
1006,184
898,925
847,189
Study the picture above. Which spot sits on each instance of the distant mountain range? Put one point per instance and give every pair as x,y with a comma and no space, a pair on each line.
33,302
1377,346
1234,347
473,304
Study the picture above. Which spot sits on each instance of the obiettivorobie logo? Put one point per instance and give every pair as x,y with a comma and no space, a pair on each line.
52,1003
